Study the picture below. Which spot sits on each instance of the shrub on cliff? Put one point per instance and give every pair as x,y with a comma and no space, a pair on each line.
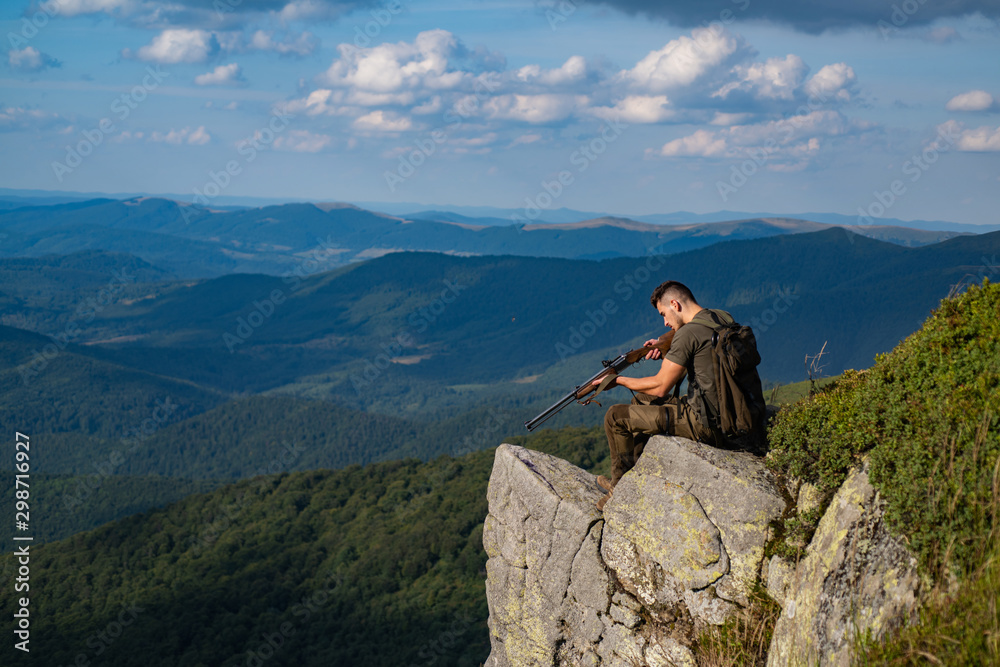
928,414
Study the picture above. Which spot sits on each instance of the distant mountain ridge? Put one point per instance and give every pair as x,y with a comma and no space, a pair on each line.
12,198
307,238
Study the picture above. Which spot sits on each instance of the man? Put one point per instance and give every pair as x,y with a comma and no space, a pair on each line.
628,427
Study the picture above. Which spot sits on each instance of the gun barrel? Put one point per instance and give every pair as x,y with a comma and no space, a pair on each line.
532,424
575,395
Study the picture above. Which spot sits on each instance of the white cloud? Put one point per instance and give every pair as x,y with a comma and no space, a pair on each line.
425,76
776,78
979,140
708,77
387,68
432,105
477,141
974,100
78,7
322,102
188,45
726,119
126,135
795,129
20,118
941,35
199,137
685,60
30,59
196,137
302,141
303,45
713,70
175,46
574,70
700,144
310,10
366,99
832,82
526,139
381,121
545,108
789,143
638,109
223,75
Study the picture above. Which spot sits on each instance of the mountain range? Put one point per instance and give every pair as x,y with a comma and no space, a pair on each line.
492,215
408,348
194,242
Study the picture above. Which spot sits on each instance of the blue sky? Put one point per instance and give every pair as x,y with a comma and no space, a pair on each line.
886,108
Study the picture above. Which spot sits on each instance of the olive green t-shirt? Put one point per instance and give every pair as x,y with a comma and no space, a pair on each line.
692,348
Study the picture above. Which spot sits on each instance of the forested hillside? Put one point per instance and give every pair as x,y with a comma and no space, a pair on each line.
448,321
64,505
380,565
396,356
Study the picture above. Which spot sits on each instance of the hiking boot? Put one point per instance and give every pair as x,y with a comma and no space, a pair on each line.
605,483
604,501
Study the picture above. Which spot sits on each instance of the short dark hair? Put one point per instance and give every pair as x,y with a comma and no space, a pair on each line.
672,289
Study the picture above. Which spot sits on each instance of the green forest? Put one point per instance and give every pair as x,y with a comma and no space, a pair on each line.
380,565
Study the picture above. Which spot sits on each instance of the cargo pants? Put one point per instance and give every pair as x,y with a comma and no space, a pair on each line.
629,427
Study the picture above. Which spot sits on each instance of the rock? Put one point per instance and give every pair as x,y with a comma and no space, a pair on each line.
669,653
687,527
625,617
810,498
545,580
855,577
678,545
778,574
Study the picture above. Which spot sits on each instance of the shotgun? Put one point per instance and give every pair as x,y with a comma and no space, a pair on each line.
611,367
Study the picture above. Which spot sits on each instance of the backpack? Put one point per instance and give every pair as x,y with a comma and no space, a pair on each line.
742,411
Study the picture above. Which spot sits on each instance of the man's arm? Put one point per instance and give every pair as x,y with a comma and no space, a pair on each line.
655,385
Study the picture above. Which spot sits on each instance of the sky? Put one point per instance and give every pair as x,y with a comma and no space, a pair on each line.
868,108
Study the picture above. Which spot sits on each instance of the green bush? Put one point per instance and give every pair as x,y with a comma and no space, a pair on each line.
927,414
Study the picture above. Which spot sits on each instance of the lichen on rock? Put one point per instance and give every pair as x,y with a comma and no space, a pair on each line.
855,578
677,547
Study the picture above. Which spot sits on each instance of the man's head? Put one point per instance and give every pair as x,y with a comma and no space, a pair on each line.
674,301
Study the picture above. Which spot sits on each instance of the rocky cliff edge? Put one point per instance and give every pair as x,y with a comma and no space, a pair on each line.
676,550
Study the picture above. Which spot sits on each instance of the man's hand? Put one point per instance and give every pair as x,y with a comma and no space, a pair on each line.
654,353
612,384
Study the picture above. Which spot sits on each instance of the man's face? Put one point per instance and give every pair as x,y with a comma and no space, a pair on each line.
670,310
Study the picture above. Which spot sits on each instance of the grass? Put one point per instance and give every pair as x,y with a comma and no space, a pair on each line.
961,628
744,638
786,394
